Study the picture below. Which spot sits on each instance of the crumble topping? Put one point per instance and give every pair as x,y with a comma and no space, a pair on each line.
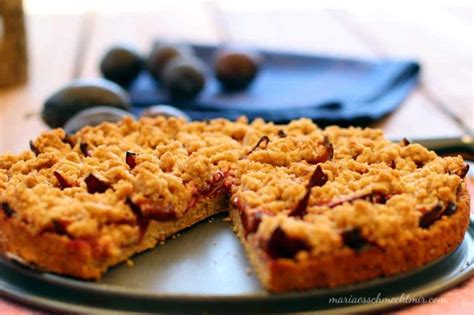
89,185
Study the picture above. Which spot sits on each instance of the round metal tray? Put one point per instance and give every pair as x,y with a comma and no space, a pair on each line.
205,270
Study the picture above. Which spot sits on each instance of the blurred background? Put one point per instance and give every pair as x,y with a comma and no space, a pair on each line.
65,40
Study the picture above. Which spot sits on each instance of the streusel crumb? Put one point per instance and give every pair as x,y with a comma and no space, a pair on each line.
100,183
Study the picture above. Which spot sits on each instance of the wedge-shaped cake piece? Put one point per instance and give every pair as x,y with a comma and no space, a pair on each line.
76,205
357,208
313,207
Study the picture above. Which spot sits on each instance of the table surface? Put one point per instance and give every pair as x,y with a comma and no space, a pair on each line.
67,46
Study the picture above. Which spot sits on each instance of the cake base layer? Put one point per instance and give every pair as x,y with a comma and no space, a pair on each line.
348,266
77,258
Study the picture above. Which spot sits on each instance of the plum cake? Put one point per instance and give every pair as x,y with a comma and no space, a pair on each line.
313,207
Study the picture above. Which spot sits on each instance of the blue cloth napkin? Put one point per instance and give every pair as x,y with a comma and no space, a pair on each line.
328,90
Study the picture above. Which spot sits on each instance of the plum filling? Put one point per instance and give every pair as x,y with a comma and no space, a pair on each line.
146,212
60,226
405,142
265,140
353,239
84,147
280,245
318,179
430,217
216,185
68,140
142,222
158,212
451,208
392,164
419,164
250,221
375,196
63,183
95,185
57,226
130,159
34,149
327,155
464,170
281,134
9,212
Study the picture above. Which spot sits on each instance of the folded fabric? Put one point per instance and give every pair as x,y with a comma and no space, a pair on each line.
329,90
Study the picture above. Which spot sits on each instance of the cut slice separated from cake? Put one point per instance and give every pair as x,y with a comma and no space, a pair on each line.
313,207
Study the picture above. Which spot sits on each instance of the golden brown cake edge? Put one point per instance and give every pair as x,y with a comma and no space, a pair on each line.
347,266
77,258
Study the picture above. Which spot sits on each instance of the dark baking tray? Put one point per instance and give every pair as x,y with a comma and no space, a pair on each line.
205,270
327,89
